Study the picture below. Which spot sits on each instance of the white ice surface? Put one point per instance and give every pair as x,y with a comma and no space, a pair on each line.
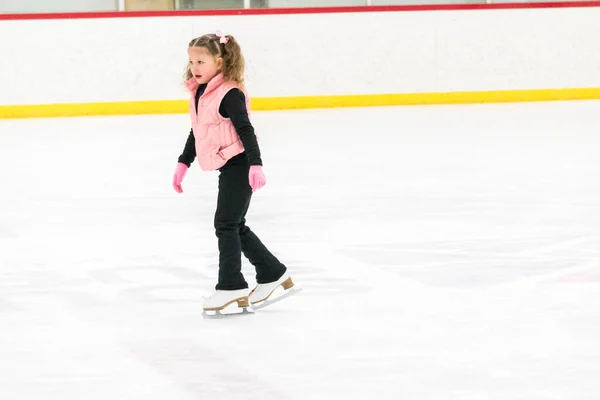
446,253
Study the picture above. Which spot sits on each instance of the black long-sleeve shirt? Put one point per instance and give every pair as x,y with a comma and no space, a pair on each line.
233,106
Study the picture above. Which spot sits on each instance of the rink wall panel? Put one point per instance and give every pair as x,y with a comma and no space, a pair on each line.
393,56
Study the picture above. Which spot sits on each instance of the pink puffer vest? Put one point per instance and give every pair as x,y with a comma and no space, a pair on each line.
216,138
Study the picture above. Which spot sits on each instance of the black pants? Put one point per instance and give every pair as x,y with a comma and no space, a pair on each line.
234,236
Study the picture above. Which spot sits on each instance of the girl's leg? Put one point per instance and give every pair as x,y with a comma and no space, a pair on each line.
268,267
232,203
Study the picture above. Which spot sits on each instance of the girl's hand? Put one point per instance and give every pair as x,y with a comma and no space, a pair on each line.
178,177
256,177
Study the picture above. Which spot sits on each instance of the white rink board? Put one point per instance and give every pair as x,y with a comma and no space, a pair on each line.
133,59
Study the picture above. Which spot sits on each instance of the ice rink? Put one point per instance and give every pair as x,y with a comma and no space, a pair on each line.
445,253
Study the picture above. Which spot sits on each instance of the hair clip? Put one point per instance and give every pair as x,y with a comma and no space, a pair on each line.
224,39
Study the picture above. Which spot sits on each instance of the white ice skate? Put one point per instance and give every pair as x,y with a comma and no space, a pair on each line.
260,296
221,299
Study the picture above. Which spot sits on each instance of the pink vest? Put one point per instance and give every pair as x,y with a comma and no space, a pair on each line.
216,138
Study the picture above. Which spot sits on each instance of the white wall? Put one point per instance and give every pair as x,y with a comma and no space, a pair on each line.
316,3
40,6
89,60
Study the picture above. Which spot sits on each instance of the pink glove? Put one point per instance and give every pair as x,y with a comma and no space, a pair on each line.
256,177
178,177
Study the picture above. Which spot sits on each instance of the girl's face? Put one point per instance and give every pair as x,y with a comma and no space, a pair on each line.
203,65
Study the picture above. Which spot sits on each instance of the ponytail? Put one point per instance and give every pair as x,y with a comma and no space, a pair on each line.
233,61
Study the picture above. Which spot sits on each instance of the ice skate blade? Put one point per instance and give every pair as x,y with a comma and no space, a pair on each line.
242,302
218,314
265,303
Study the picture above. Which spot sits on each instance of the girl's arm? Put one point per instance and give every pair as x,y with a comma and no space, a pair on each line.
189,152
233,107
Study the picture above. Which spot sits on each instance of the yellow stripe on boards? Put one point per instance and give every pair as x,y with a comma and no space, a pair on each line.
93,109
304,102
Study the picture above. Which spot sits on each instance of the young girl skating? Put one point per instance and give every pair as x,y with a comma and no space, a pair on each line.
222,138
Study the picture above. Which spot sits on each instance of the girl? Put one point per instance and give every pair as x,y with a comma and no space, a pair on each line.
222,138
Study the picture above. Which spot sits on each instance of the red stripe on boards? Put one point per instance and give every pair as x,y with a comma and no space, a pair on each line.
307,10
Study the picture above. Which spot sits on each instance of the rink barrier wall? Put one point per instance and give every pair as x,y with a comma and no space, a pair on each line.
517,78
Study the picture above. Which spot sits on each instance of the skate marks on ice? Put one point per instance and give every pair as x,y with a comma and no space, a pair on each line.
163,283
143,281
49,352
7,305
204,367
6,231
22,282
481,262
104,290
156,280
152,281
